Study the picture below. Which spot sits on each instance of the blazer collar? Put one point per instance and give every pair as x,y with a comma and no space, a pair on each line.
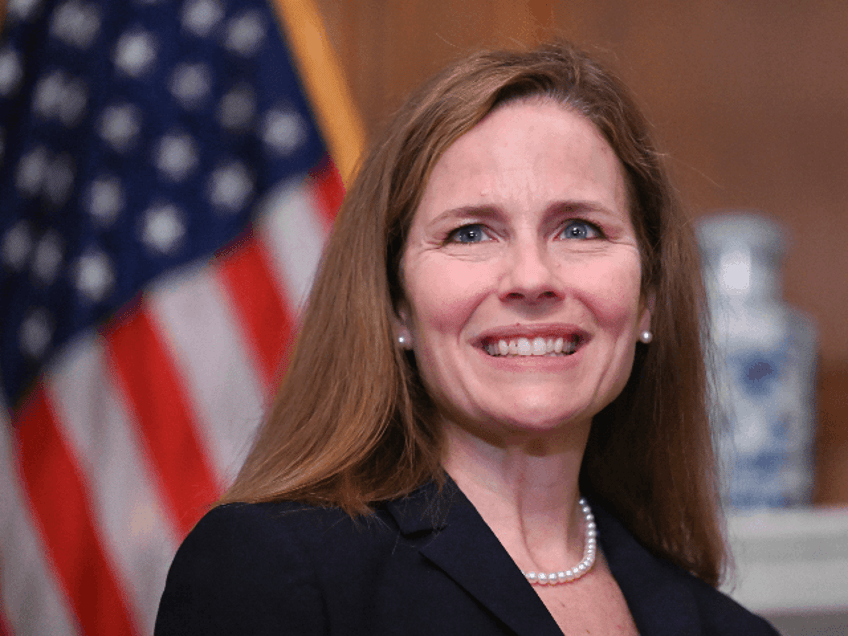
457,540
454,537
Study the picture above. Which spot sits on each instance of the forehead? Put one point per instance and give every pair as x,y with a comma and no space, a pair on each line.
533,148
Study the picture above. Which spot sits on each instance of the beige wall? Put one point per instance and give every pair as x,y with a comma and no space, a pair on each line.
749,98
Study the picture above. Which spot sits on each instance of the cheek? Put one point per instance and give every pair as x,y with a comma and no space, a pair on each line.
614,292
442,298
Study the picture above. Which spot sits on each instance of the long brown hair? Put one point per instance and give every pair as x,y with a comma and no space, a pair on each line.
351,424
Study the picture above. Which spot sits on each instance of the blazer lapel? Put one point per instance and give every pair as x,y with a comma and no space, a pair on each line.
465,548
660,605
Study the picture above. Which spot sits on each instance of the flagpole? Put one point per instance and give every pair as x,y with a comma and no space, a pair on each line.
324,83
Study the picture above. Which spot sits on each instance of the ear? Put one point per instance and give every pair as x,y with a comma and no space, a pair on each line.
401,324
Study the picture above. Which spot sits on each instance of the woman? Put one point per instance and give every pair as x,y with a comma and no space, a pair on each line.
477,355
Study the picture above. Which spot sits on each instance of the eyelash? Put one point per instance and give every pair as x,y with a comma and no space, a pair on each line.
592,230
479,227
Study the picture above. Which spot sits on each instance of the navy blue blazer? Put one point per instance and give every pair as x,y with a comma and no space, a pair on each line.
424,565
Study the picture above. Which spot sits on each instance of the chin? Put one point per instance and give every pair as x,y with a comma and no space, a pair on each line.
540,418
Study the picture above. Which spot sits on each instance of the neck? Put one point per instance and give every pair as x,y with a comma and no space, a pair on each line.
526,492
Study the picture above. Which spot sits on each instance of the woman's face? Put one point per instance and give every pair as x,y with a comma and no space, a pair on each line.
521,275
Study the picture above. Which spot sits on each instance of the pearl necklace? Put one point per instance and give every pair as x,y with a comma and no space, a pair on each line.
590,548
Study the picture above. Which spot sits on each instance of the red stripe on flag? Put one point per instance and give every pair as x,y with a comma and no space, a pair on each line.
63,513
248,280
153,390
328,190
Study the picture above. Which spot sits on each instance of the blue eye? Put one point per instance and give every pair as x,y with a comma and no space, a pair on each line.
580,230
468,234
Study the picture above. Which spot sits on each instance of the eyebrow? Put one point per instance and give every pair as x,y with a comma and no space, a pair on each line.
468,211
493,211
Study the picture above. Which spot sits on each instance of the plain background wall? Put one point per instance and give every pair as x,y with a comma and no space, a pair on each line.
748,97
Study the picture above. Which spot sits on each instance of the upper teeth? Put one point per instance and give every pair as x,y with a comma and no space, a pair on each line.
532,347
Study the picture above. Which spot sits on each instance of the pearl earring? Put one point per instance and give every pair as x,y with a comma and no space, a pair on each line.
646,336
401,340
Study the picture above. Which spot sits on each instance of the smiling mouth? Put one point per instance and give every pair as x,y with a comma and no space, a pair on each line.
525,347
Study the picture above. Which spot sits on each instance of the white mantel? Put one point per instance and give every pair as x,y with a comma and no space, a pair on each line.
792,567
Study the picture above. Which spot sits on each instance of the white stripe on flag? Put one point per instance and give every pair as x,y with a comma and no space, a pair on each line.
292,233
33,600
134,529
195,319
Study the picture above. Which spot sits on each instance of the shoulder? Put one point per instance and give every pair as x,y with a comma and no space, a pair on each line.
235,537
248,528
717,613
665,598
720,614
246,563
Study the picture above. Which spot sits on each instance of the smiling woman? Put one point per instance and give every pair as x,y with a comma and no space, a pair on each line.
555,259
477,432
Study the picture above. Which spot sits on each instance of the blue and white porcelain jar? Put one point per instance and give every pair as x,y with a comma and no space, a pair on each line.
763,355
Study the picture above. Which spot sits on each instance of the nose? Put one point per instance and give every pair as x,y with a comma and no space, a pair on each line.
530,275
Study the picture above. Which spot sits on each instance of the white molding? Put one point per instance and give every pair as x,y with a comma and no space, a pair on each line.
791,562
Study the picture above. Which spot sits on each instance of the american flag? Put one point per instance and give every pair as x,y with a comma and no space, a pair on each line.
164,195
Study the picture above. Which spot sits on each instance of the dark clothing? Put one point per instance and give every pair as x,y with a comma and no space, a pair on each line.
424,565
